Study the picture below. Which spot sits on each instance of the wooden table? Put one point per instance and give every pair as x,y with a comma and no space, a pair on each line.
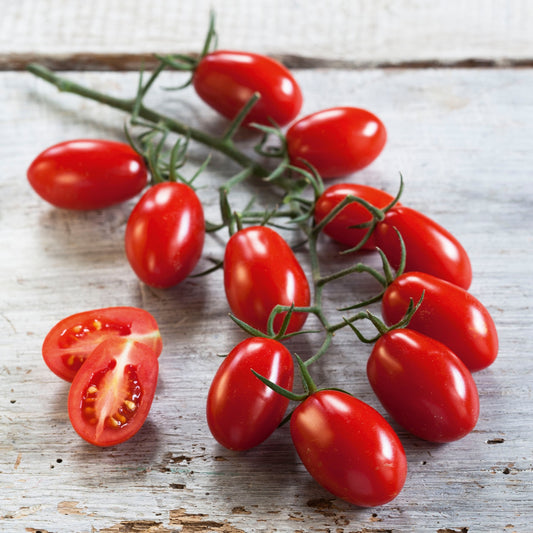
452,83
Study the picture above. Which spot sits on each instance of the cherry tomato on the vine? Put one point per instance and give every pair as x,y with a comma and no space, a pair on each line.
241,410
226,80
423,385
341,227
429,247
447,313
73,339
87,174
165,234
260,272
349,448
111,394
336,141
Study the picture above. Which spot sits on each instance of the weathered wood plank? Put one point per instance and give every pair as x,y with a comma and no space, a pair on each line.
461,140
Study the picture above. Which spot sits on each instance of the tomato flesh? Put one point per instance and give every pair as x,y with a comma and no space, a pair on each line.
111,394
71,340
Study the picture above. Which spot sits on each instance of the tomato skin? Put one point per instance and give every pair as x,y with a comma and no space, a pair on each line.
349,448
447,313
111,395
165,234
336,141
339,229
226,80
85,174
429,247
68,344
242,411
260,272
423,385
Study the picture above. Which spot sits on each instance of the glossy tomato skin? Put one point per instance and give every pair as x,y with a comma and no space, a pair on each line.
429,247
423,385
111,395
241,411
85,174
340,228
448,314
349,448
165,234
336,141
260,272
68,344
226,80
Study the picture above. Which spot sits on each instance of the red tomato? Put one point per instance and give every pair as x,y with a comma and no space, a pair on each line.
226,80
448,314
429,247
73,339
423,385
340,228
88,174
111,395
336,141
260,272
349,448
241,410
165,234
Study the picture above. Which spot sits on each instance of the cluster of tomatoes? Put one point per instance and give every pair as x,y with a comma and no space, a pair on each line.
433,333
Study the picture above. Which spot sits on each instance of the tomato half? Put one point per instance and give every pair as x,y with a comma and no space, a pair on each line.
226,80
429,247
241,410
73,339
447,313
336,141
260,272
349,448
165,234
87,174
340,228
112,393
423,385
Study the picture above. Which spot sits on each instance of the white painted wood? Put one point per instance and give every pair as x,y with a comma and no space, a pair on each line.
358,31
462,140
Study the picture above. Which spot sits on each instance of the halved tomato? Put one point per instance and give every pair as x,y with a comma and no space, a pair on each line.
111,395
71,341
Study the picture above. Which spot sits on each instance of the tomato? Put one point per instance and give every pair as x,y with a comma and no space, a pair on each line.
111,394
349,448
73,339
226,80
241,410
260,272
336,141
340,228
165,234
88,174
423,385
429,247
447,313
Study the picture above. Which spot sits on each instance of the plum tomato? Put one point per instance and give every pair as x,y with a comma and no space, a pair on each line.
241,410
226,80
165,234
336,141
349,448
423,385
85,174
341,227
429,247
447,313
68,344
260,272
112,393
